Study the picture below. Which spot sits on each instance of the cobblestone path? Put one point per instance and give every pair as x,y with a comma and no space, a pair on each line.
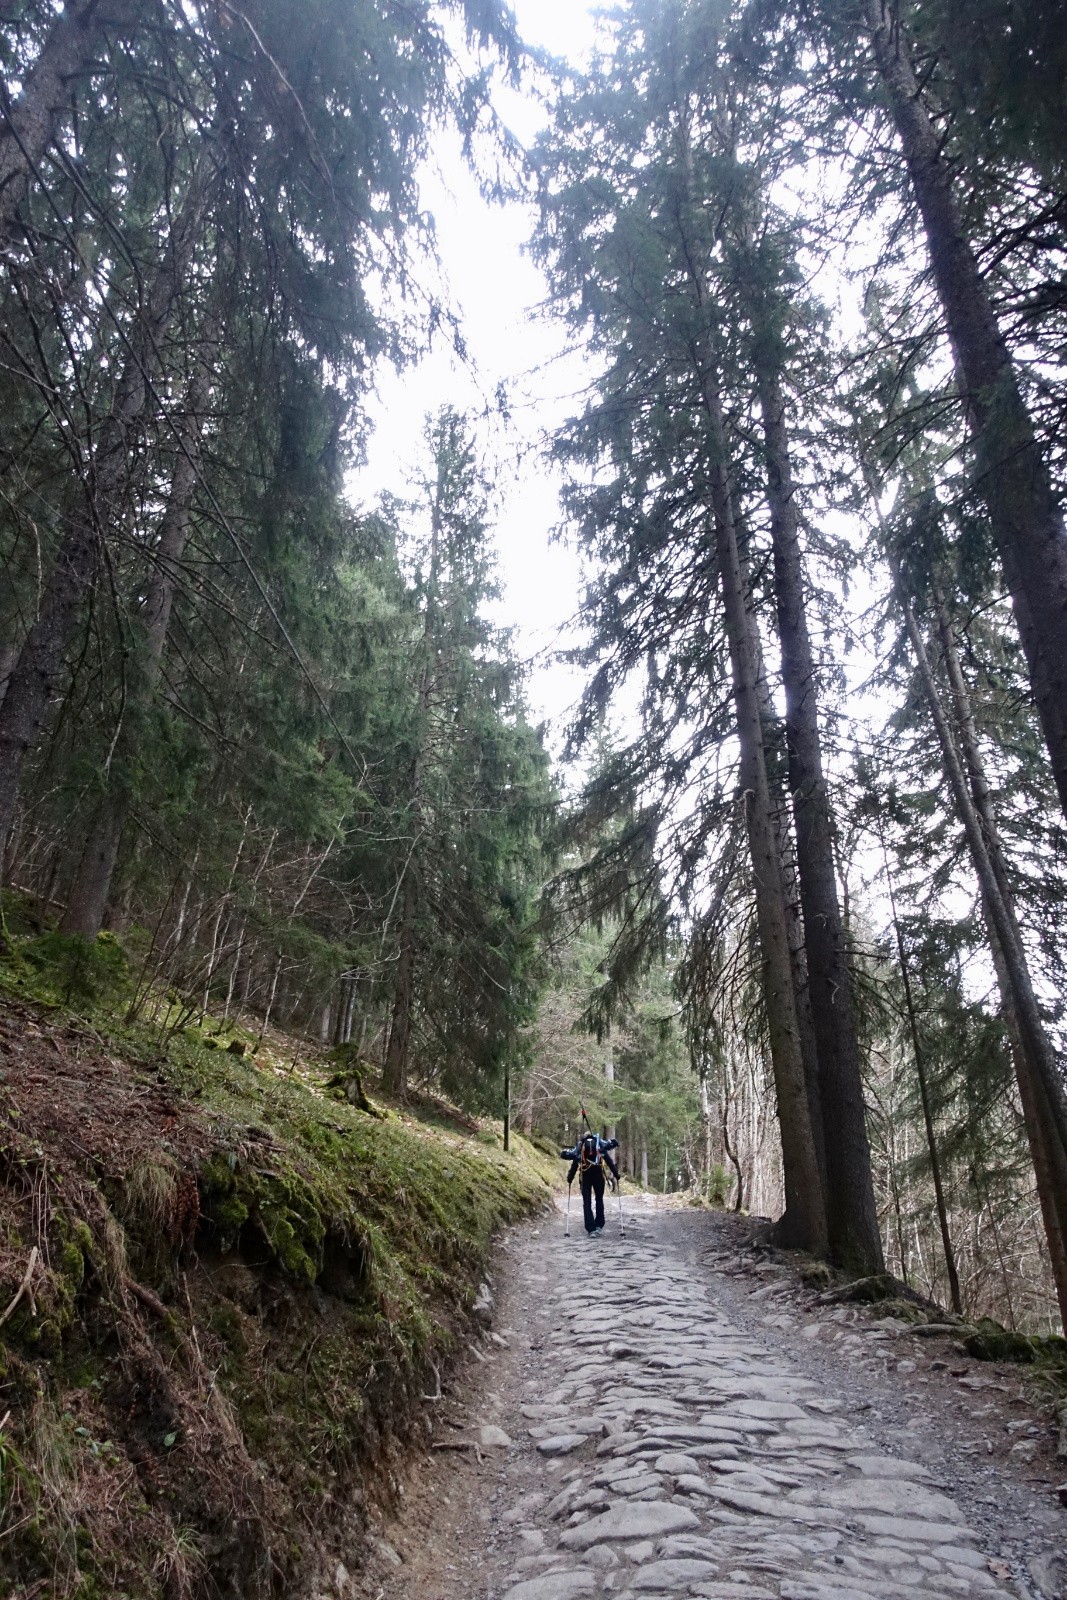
660,1452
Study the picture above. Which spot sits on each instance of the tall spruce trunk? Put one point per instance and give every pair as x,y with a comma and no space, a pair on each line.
609,1075
29,124
706,1131
99,503
804,1222
1001,907
88,898
728,1148
9,654
395,1065
35,675
787,861
851,1212
1037,1069
1046,1134
1012,474
919,1056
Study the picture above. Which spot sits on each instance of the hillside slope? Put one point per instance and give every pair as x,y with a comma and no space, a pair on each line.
221,1293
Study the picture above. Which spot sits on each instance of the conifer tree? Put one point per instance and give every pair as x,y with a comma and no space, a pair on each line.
279,175
678,301
1038,1069
467,806
1009,466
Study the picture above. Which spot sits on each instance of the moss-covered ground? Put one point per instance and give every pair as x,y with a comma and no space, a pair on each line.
235,1286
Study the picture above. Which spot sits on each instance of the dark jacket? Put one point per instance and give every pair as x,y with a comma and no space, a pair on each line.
590,1151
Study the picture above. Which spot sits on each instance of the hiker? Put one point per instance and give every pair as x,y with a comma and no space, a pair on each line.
590,1155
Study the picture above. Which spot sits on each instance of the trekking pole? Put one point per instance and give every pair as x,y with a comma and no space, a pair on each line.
618,1191
567,1229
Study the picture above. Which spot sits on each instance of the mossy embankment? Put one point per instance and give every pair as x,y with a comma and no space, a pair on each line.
234,1290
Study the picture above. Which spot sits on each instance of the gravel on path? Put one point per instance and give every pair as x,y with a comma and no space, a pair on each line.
664,1413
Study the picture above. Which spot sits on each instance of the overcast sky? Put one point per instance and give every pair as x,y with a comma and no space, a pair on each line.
497,290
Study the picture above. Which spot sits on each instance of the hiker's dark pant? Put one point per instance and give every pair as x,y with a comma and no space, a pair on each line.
593,1185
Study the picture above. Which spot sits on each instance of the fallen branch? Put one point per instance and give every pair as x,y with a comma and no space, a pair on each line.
24,1288
149,1299
192,1319
459,1444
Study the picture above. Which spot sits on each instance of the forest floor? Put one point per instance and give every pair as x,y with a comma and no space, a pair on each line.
681,1414
222,1291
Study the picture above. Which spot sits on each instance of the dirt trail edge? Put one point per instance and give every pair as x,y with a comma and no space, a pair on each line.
645,1424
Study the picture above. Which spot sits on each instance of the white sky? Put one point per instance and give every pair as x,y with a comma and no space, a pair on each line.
496,290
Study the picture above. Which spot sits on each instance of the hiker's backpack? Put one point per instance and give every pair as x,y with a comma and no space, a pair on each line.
591,1153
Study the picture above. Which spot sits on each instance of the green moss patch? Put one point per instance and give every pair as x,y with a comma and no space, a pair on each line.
988,1341
242,1283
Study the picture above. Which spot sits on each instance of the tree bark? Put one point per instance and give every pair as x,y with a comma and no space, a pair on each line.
394,1069
1001,909
1037,1069
852,1215
9,654
804,1222
732,1156
35,677
28,125
609,1073
706,1152
1046,1135
395,1066
87,901
787,861
1012,474
924,1094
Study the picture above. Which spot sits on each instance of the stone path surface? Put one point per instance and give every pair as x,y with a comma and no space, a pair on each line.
650,1446
687,1459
